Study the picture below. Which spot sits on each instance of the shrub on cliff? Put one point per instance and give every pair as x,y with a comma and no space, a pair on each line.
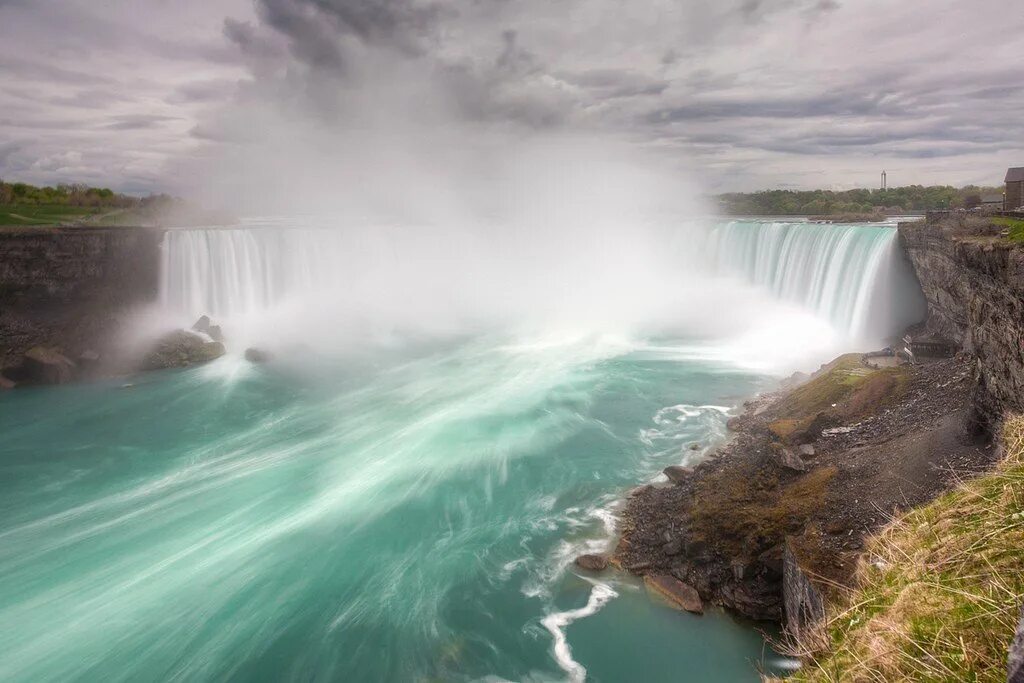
938,591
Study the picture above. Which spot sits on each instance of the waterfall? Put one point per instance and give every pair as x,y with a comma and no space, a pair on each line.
854,276
236,272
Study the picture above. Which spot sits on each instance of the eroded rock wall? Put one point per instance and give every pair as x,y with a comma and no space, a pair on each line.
975,292
70,288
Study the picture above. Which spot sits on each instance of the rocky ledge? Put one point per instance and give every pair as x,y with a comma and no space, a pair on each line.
775,520
202,343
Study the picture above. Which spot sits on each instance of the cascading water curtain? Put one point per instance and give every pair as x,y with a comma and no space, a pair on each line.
853,276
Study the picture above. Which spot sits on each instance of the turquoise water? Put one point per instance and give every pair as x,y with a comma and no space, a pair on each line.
407,515
369,507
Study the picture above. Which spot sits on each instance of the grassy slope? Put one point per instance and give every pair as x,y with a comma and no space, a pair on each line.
940,589
62,214
44,214
1015,225
845,388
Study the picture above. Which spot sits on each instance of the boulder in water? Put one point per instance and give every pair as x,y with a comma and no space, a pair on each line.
7,383
202,325
254,355
181,348
205,326
592,562
44,365
677,593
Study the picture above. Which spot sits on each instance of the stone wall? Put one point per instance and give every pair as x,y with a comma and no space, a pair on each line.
70,288
975,292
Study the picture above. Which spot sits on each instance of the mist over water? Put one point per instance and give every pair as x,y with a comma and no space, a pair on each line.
451,415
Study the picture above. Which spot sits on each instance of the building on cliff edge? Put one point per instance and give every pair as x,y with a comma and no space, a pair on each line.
1014,189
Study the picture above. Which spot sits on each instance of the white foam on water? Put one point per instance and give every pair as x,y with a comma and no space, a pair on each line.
556,622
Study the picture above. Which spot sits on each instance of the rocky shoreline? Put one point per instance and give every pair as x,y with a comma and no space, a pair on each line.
807,474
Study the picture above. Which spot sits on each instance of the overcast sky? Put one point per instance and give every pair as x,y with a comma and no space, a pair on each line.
749,94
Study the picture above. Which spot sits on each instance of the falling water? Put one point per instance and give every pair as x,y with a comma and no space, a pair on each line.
854,276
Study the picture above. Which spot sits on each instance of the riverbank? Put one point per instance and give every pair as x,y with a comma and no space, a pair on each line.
807,475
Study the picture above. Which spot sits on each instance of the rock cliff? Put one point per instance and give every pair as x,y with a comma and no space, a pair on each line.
69,288
974,286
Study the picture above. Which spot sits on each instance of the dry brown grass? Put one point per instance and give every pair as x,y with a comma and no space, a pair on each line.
743,511
938,591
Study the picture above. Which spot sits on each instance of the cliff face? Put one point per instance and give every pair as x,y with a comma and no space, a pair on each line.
70,287
975,292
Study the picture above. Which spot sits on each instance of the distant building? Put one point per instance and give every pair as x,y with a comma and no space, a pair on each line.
1014,189
992,201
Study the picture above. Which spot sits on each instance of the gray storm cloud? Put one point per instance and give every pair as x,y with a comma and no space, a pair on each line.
753,93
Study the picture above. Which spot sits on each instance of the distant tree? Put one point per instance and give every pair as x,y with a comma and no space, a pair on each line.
818,202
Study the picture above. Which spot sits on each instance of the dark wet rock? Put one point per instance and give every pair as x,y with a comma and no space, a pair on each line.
7,383
677,474
254,355
695,547
181,348
43,365
592,562
695,446
677,593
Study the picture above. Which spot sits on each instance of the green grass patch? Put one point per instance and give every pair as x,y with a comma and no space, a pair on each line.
938,591
832,385
1015,225
45,214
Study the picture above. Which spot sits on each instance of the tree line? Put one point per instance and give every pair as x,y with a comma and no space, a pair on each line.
823,202
72,194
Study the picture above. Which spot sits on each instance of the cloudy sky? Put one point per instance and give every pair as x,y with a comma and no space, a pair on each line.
747,94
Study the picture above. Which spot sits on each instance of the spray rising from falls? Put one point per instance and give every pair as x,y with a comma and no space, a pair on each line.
271,277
